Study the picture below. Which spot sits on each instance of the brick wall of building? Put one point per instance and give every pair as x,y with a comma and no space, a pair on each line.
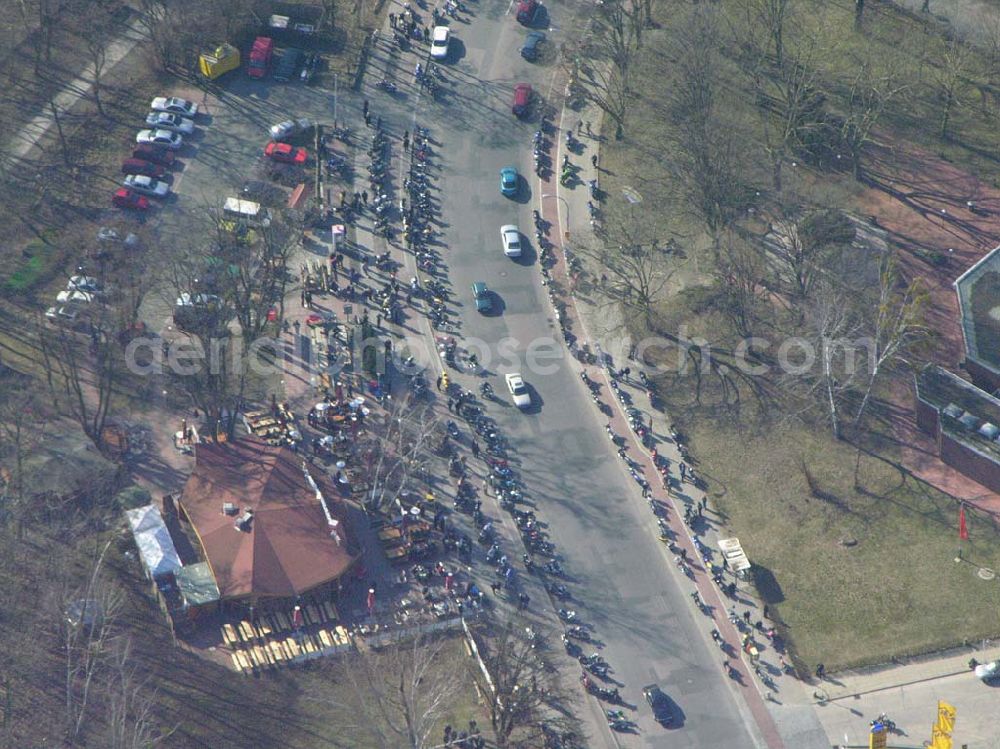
969,462
982,377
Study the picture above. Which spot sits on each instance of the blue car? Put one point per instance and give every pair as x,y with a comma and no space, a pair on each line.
530,48
508,181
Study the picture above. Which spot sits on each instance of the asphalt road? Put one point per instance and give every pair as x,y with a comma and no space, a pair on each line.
623,584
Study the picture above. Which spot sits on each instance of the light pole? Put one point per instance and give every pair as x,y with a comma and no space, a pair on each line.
557,196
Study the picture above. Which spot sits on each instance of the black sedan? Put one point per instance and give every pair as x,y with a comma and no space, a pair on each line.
661,704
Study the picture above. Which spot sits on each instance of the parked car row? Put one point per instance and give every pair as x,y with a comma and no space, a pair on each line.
169,120
80,292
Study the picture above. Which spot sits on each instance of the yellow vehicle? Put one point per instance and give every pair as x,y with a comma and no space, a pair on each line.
219,61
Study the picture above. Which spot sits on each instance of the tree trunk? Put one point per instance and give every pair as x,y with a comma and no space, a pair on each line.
59,130
949,101
859,12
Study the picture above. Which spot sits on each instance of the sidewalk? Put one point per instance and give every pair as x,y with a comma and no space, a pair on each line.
850,684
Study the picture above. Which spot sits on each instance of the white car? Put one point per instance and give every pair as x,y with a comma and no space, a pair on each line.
290,128
74,297
518,390
67,315
146,185
85,283
167,121
174,105
187,299
988,671
164,138
439,42
511,238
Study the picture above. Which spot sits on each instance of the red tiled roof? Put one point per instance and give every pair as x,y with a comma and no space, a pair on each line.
289,548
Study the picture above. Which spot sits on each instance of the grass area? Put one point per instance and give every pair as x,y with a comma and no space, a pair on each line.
894,591
858,576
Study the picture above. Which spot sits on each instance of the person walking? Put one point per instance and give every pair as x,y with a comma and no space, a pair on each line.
439,383
364,197
746,616
593,162
406,140
475,454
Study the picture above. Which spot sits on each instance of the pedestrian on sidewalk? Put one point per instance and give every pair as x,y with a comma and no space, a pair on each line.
368,120
406,140
439,383
451,404
378,122
475,454
767,612
589,131
392,21
579,126
364,109
364,198
302,298
704,503
593,162
701,509
378,320
746,616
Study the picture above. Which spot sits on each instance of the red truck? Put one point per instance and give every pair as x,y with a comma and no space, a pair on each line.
260,56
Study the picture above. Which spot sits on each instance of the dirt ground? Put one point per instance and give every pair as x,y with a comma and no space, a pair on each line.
921,201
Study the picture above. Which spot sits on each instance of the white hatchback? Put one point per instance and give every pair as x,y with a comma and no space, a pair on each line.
440,38
518,390
511,239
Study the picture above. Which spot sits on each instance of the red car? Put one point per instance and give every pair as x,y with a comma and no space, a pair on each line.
141,166
526,10
125,198
286,153
522,100
148,152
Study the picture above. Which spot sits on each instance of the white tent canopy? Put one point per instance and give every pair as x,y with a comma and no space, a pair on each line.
156,548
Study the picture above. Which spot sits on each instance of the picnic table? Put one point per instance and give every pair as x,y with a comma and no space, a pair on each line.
387,534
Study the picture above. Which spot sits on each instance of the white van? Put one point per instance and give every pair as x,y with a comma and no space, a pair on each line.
246,210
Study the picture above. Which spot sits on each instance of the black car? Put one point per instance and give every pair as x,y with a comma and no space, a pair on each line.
662,708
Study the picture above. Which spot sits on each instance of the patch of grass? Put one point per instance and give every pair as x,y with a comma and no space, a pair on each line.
856,577
41,261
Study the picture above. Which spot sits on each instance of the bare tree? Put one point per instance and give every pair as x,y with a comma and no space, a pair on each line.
949,75
130,703
398,448
22,429
87,639
84,384
634,261
407,691
740,269
523,694
898,329
874,86
604,61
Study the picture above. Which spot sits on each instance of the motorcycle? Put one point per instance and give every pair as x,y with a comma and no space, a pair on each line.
578,633
559,591
486,390
572,649
387,86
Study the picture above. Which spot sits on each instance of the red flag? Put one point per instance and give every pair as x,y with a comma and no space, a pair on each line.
963,530
371,600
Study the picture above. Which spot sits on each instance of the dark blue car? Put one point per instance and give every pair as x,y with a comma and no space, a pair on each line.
532,43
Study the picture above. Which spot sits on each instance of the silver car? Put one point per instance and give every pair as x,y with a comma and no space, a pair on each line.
167,121
146,185
160,137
